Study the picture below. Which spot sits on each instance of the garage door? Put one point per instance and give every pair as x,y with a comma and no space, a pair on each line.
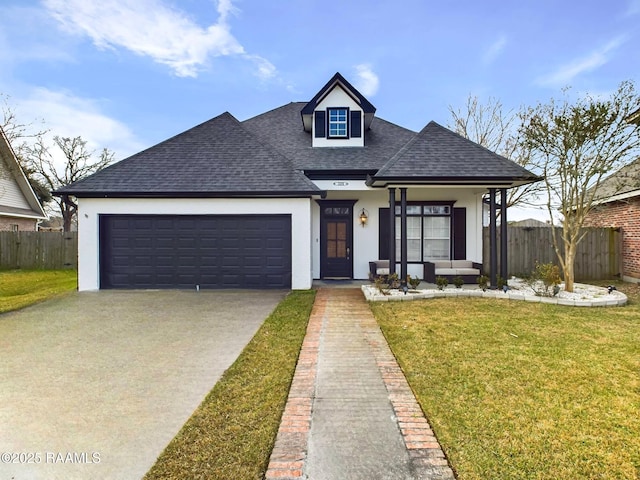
186,251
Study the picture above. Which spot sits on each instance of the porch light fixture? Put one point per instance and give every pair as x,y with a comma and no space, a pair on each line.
364,217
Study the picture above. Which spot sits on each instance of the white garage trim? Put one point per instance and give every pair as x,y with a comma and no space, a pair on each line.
91,208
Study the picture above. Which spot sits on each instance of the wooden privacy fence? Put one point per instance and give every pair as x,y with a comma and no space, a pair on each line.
38,250
598,256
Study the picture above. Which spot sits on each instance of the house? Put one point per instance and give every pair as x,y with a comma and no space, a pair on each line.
618,206
530,223
20,209
309,190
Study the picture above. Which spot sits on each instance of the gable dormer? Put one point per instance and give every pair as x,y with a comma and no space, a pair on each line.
338,115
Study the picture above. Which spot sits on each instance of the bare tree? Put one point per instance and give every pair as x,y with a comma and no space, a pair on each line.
575,145
489,125
76,163
19,134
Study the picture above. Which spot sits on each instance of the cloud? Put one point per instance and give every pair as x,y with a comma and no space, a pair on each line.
367,81
153,29
566,73
633,8
67,115
494,49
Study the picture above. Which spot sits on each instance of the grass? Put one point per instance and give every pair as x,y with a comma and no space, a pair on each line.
20,288
519,390
231,434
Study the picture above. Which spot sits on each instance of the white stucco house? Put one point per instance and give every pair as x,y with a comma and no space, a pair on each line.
310,190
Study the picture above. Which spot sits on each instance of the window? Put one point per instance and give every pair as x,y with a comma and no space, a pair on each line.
14,227
338,122
428,232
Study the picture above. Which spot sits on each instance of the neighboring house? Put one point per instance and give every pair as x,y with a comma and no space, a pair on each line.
619,207
20,209
529,223
310,190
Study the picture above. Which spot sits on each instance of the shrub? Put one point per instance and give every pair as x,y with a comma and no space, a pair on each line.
441,282
385,283
544,280
483,282
458,281
413,281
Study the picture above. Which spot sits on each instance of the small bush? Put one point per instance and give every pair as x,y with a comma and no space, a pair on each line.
483,282
442,282
544,280
458,281
385,283
413,281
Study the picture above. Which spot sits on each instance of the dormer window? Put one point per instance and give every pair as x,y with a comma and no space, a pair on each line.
338,126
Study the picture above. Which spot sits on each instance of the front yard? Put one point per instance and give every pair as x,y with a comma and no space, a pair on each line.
20,288
519,390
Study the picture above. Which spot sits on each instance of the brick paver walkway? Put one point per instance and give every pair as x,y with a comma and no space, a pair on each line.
350,412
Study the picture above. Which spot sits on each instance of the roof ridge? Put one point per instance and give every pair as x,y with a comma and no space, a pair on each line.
278,153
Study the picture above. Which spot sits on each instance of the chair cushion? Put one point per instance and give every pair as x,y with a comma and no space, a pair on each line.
446,271
461,264
467,271
442,264
382,271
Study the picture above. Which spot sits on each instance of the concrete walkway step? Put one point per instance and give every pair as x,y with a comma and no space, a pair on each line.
350,413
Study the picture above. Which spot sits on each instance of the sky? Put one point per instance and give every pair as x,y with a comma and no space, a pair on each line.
128,74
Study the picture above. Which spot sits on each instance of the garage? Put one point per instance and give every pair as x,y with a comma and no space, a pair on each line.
195,251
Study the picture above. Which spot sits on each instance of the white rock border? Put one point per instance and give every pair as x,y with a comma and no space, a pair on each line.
586,296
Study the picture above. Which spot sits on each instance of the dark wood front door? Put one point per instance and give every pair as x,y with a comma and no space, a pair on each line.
336,241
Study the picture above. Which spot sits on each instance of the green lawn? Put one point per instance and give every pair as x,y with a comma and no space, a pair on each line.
519,390
231,434
20,288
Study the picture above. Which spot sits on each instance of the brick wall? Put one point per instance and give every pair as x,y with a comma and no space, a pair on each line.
626,216
24,224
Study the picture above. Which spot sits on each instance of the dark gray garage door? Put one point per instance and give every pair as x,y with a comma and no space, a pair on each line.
183,251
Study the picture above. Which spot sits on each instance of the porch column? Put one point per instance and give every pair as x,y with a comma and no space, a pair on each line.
504,271
493,244
392,231
403,235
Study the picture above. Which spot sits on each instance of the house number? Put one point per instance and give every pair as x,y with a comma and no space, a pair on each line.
341,184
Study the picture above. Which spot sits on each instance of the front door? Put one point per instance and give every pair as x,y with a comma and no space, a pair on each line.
336,240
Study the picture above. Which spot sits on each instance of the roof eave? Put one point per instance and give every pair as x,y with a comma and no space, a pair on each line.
169,194
491,182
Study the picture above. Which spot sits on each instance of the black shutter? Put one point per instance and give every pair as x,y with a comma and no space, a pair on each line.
356,125
320,124
383,234
459,233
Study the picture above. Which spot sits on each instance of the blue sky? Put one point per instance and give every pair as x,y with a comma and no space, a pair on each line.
127,74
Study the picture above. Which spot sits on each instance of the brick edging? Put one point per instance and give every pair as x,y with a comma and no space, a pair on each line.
425,453
289,455
290,450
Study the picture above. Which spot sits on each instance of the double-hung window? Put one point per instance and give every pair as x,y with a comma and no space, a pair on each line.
428,232
338,125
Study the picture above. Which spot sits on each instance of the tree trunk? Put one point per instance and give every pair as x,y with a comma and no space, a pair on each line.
568,267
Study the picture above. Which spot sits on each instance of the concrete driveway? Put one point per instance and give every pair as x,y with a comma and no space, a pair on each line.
96,384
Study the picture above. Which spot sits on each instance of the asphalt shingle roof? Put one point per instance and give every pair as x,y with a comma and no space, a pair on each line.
282,128
625,181
438,153
219,156
268,155
367,107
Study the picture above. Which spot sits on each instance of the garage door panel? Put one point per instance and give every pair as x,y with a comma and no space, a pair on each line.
213,251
